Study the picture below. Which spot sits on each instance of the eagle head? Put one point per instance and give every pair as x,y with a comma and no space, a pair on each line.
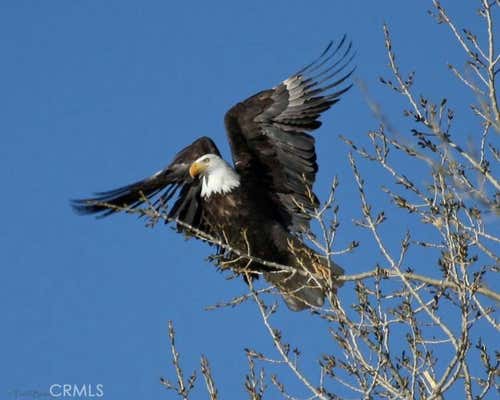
216,175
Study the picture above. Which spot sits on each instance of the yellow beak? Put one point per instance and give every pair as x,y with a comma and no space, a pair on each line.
196,168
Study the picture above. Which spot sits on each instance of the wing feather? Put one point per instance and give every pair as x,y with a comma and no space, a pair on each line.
159,188
269,132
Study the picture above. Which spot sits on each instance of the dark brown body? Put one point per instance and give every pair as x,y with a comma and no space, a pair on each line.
234,219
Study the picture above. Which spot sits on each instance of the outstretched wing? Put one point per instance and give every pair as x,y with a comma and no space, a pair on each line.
165,183
269,139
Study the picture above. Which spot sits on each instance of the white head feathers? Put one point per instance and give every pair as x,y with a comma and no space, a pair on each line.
216,175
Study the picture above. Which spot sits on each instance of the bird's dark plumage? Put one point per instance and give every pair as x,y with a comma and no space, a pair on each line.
269,136
267,200
172,179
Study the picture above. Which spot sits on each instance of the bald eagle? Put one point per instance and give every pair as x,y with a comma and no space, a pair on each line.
261,206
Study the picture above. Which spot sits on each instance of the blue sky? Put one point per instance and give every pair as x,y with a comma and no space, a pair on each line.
99,94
